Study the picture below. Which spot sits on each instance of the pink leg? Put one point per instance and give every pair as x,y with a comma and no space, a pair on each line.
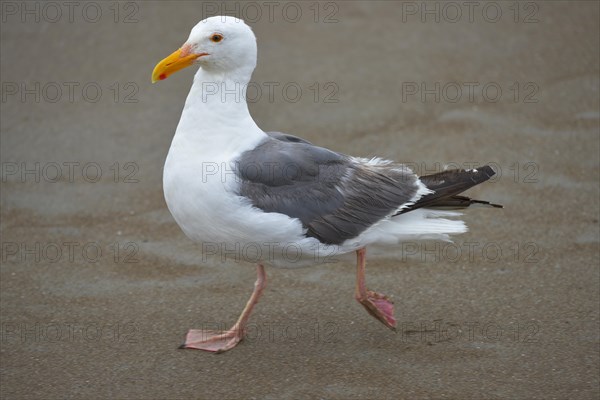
377,304
220,341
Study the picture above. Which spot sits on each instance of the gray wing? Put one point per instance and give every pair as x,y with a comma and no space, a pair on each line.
336,197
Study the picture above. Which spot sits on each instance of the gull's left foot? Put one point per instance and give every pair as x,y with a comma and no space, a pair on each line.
220,341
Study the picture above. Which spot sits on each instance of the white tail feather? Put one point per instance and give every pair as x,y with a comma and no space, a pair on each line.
420,224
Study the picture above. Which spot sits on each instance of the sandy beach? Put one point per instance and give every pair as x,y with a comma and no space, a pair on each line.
98,284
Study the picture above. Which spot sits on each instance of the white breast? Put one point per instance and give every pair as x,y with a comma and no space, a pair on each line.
200,185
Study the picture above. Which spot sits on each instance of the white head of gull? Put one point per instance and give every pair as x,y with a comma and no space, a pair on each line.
276,199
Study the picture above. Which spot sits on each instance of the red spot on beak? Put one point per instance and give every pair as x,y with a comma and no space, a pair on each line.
162,77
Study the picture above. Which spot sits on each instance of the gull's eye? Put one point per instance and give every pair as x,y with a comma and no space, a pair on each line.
216,38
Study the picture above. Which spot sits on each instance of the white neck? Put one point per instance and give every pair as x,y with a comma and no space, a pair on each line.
215,118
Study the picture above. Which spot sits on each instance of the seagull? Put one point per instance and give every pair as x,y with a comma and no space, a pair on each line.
278,200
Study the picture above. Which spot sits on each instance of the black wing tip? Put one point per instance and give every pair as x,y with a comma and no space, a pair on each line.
481,174
460,202
487,170
447,186
486,203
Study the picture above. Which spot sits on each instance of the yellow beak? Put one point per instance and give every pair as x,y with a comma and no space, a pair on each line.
180,59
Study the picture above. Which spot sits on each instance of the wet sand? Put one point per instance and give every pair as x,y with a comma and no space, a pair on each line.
99,285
